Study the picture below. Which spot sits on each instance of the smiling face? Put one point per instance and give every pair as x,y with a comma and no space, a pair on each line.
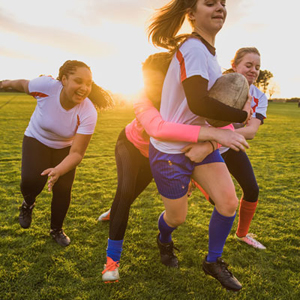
208,17
76,87
249,66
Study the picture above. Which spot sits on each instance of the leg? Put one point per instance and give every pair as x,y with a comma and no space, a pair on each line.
248,203
134,175
61,198
61,191
221,220
35,159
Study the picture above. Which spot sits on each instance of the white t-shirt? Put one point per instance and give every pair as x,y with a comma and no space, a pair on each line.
50,123
259,105
192,58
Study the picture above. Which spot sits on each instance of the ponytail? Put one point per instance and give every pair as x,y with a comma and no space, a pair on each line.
100,97
166,23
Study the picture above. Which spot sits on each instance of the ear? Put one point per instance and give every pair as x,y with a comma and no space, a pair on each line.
233,67
190,14
64,80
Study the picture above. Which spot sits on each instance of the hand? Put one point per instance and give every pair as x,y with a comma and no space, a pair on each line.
232,139
53,176
197,152
247,108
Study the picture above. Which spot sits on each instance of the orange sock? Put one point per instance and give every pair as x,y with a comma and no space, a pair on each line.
246,213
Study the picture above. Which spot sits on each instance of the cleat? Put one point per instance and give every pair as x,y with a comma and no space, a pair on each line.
219,271
60,237
167,256
110,273
105,216
25,216
249,239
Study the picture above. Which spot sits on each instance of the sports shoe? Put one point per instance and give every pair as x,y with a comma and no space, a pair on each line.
219,271
60,237
105,216
25,215
167,256
250,240
111,271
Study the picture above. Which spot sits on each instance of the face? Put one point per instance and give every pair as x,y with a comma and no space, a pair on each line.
153,82
77,86
249,67
209,16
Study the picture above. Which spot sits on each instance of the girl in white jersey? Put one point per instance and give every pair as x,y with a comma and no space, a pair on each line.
56,138
247,63
192,72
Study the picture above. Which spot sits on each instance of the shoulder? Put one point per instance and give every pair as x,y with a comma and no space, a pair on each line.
257,93
43,85
192,43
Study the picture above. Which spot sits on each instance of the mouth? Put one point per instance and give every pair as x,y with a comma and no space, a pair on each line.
80,94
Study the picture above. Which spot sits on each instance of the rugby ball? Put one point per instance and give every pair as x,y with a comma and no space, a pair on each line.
231,89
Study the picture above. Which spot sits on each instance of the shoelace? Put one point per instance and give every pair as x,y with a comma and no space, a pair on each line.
223,266
111,266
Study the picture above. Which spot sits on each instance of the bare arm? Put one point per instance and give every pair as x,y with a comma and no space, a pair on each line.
19,85
70,162
250,130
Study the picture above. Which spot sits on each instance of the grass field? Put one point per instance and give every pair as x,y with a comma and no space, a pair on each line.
33,267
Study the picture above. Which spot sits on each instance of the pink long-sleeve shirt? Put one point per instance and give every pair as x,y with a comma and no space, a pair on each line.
148,122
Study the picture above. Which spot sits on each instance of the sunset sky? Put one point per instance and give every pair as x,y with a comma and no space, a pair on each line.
37,36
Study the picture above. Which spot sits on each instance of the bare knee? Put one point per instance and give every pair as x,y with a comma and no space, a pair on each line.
227,204
175,220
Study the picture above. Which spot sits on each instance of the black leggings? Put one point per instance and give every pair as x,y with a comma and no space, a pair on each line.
36,157
134,175
241,169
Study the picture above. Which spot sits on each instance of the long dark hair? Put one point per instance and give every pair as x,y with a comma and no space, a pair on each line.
166,23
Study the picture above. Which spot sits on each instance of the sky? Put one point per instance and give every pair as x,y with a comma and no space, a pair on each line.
38,36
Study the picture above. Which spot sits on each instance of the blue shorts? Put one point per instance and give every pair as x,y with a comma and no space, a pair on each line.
172,172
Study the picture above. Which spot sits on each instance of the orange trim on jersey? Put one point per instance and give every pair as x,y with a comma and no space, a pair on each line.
38,95
78,123
180,59
256,104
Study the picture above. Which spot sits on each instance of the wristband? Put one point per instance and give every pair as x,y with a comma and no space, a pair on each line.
212,145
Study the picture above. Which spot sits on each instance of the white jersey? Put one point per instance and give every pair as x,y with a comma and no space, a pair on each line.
50,123
192,58
259,105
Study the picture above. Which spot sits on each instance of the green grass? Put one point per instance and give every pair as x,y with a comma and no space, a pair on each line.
32,266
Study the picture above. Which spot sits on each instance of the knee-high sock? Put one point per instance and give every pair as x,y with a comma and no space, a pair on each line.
246,213
165,229
219,228
114,249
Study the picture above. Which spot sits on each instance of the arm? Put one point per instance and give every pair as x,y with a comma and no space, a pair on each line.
249,131
196,91
70,162
19,85
156,127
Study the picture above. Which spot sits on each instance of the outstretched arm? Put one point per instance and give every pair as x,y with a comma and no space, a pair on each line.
19,85
71,161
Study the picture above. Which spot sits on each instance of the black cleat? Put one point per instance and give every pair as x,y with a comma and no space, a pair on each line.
25,215
60,237
167,256
219,271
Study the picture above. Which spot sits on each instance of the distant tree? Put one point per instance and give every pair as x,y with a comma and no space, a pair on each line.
274,88
263,80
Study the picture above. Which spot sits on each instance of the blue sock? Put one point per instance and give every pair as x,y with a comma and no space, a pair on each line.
114,249
165,230
219,229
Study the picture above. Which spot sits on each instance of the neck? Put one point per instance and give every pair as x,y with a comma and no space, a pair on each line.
210,38
65,102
